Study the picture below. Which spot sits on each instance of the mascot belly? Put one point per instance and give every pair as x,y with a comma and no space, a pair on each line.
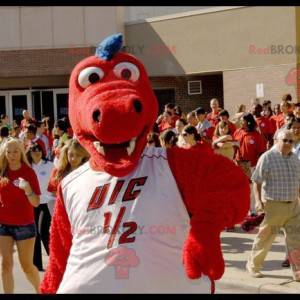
136,219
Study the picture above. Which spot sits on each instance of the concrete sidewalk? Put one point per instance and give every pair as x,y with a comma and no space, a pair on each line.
236,248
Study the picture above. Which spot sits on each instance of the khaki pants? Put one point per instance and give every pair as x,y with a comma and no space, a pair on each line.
278,215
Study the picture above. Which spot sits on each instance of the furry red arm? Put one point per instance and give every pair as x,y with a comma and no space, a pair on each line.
216,194
60,244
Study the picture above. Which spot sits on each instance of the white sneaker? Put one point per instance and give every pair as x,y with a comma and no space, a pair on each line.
253,273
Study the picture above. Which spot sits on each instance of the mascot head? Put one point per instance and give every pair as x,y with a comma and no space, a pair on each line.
112,107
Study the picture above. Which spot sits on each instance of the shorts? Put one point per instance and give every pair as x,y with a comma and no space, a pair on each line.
18,233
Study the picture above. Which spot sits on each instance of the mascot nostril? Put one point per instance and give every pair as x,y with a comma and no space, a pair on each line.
137,106
96,115
127,186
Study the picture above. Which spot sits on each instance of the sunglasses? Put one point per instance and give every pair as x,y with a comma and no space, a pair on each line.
185,134
35,150
288,141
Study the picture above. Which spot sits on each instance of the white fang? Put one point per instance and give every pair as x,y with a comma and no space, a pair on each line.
131,146
99,148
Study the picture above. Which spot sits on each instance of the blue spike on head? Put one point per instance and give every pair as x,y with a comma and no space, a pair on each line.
109,46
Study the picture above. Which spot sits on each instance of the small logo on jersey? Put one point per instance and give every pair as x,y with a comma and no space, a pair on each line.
16,182
251,142
122,259
43,173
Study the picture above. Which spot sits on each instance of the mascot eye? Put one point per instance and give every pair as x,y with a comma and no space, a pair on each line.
128,71
89,76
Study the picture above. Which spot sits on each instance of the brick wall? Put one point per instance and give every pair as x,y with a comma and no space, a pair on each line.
212,87
41,62
240,85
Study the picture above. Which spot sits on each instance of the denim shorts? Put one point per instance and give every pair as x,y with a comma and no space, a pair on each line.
18,233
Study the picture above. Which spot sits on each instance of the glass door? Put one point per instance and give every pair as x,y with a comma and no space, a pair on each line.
61,103
3,103
42,104
19,101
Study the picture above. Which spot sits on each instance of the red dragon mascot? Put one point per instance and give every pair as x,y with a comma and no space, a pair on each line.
136,219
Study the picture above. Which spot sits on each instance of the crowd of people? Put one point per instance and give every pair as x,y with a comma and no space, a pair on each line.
250,138
34,158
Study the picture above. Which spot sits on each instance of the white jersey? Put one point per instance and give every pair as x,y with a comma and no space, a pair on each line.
128,232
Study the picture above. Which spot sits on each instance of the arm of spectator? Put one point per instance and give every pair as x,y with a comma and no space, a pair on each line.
223,138
218,197
60,245
259,205
259,175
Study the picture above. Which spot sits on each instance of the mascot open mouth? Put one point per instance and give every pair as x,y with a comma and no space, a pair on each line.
118,154
103,148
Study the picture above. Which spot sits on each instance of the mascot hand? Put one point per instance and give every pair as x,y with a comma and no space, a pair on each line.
202,253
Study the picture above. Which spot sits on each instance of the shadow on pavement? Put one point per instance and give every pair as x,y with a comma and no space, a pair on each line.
269,265
241,245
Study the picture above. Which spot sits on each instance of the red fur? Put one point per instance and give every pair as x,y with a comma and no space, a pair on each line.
60,245
216,194
214,190
114,98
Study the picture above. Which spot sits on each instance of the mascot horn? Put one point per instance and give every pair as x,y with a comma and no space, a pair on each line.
136,219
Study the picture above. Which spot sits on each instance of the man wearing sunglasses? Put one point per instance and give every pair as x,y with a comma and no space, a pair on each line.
276,183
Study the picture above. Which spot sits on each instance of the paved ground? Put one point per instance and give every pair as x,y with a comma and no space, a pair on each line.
236,248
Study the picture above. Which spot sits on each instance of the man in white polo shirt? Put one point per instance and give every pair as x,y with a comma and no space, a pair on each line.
276,183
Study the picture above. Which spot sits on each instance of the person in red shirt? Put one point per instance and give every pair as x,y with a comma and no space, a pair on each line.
251,145
31,138
268,113
286,108
251,142
27,120
170,109
19,193
192,118
224,116
264,125
166,122
207,135
213,116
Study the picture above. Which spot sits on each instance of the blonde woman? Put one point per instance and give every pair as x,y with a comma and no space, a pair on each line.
19,193
71,156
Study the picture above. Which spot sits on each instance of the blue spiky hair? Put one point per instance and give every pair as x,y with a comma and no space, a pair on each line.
109,46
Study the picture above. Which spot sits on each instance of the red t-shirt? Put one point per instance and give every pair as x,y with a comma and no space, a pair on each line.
279,119
49,135
213,118
16,209
174,119
232,128
164,126
209,132
265,126
272,124
252,145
